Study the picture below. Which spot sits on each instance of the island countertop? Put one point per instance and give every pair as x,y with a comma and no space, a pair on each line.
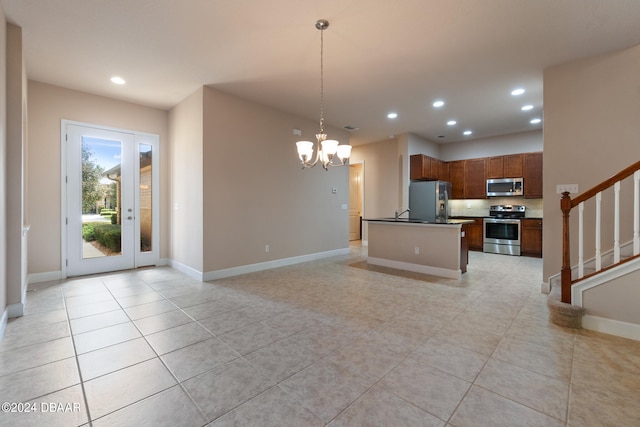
420,221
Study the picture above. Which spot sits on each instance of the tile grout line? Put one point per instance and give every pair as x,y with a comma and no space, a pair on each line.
504,334
570,388
143,336
75,352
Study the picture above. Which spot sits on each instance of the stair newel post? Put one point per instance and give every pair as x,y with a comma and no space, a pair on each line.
565,272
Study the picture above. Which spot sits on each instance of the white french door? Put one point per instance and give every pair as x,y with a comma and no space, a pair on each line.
111,210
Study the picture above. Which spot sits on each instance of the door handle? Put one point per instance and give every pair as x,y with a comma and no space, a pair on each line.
129,218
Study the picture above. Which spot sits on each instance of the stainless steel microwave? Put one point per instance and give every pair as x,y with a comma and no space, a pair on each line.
505,187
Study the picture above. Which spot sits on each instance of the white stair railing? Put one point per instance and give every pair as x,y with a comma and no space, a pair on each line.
567,203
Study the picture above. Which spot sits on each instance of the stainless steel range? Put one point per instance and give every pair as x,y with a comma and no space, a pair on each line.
502,229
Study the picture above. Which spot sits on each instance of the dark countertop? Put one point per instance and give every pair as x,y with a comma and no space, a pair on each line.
487,216
451,221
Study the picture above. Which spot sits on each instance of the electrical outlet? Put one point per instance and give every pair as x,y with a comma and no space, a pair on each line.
417,250
266,248
571,188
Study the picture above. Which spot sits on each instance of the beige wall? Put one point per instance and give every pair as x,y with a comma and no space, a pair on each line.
186,172
617,300
15,167
591,131
383,172
3,220
255,192
418,145
514,143
48,105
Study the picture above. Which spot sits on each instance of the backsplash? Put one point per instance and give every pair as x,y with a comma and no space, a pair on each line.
480,207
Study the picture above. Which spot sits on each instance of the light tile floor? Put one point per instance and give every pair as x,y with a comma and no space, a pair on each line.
329,342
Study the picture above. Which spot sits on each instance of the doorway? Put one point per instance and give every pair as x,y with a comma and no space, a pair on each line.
355,201
110,182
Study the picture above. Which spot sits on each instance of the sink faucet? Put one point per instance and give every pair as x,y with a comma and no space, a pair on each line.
400,213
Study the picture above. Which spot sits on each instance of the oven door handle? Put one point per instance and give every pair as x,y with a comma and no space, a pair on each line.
502,221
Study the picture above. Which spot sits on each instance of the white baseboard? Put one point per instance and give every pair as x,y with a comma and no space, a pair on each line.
418,268
3,323
15,310
189,271
545,287
44,277
611,327
216,274
252,268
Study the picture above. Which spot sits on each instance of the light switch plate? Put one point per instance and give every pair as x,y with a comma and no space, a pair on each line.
571,188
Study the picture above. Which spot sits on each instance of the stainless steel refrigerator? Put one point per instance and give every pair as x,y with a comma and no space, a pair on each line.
429,200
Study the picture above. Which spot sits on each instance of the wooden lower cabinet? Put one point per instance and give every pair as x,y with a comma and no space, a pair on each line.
475,234
531,238
464,248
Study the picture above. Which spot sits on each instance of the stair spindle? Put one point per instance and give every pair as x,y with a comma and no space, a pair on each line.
616,223
636,213
598,224
581,240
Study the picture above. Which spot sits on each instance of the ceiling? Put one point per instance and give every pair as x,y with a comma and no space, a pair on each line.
379,56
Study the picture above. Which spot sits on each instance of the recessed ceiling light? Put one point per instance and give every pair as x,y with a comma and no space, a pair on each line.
535,121
439,103
517,92
392,115
527,107
117,80
467,132
451,122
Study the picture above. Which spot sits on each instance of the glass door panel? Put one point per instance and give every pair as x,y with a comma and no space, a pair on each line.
145,166
101,197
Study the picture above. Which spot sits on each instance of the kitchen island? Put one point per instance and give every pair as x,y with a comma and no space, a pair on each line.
439,249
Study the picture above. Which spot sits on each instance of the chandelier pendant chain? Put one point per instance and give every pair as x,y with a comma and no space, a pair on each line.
322,81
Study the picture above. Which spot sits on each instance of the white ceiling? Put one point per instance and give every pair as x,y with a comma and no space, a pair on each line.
380,55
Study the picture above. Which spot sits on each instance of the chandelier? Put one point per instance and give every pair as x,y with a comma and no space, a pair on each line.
327,149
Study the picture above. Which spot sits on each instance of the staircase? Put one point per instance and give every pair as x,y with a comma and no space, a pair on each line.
616,220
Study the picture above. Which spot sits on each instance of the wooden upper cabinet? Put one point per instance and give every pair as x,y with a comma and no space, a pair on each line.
456,176
417,165
514,166
468,177
435,168
475,179
443,171
495,167
533,175
423,167
510,166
